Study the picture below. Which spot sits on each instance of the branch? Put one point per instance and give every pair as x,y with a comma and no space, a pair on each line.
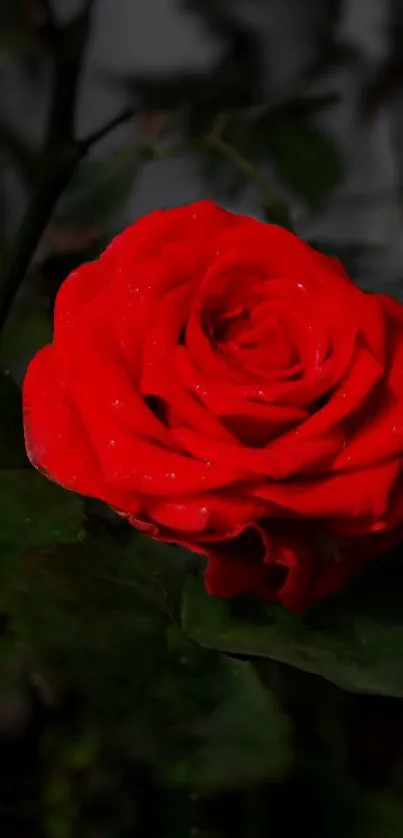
61,154
100,133
44,198
277,208
68,49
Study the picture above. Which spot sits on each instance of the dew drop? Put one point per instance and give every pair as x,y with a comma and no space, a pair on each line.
146,478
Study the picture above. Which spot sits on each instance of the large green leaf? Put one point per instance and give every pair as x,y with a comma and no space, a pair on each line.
86,628
87,596
99,616
354,639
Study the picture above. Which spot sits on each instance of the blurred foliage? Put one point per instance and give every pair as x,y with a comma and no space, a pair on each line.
100,188
285,138
130,703
21,22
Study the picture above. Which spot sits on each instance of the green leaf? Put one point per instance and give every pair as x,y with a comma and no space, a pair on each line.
12,448
100,188
354,639
110,571
305,157
246,737
99,616
82,626
88,607
35,512
217,726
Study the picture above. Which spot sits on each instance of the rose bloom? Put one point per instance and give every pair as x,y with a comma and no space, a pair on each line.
229,389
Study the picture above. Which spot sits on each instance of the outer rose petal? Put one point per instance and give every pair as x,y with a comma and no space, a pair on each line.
210,518
201,221
56,440
75,293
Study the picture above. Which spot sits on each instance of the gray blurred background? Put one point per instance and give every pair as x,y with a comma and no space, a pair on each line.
161,36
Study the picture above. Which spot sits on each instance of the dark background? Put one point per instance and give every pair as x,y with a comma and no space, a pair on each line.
290,111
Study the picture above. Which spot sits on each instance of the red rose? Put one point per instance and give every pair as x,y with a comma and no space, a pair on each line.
229,389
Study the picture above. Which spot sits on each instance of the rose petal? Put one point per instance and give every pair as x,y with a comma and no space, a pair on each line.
364,493
56,440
